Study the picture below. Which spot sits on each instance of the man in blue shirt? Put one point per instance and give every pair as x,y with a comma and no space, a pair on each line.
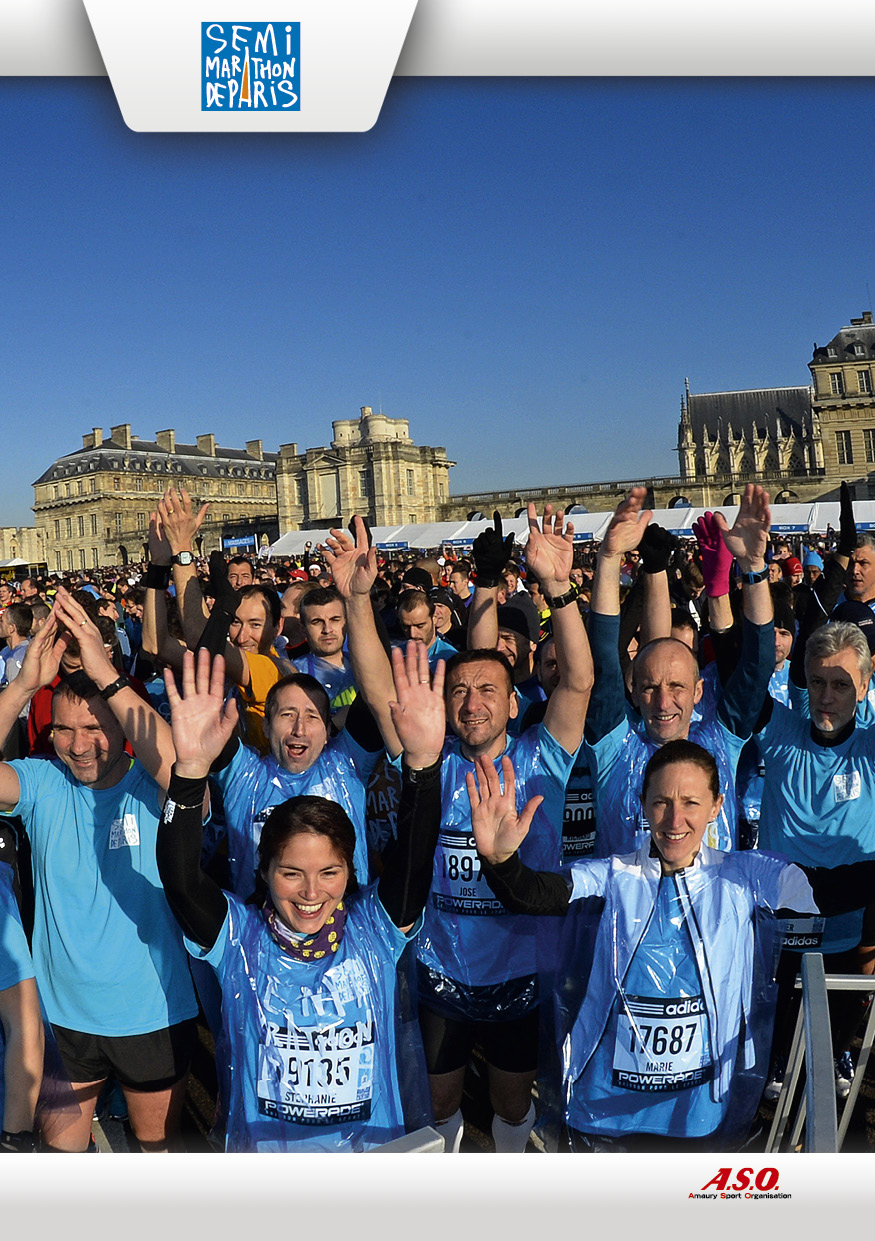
108,956
477,964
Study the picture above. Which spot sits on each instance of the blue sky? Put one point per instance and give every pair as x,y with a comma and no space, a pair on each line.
525,269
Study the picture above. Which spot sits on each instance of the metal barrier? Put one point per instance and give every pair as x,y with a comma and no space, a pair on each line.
812,1045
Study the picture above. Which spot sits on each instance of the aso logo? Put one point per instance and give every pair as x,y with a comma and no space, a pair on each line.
743,1183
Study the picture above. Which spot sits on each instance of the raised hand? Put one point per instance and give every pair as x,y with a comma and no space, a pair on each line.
96,662
749,537
202,719
716,557
490,552
159,548
847,525
179,520
498,829
627,525
42,659
352,563
549,552
419,713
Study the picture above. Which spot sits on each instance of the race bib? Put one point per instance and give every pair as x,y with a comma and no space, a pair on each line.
459,885
578,819
661,1044
802,934
319,1076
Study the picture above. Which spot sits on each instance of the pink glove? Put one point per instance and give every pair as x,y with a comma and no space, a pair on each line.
716,557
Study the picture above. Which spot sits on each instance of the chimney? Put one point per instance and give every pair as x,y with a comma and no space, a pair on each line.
207,445
94,440
166,440
288,450
121,434
254,449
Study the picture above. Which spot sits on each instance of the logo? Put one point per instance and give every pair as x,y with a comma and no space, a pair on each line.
744,1183
254,66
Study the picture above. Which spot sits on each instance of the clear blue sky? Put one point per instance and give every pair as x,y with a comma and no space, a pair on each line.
526,269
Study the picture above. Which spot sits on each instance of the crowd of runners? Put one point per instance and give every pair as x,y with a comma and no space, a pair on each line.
572,810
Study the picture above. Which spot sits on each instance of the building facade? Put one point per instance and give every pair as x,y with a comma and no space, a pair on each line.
799,442
372,467
92,506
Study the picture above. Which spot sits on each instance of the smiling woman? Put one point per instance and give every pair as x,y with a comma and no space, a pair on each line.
670,1043
315,1044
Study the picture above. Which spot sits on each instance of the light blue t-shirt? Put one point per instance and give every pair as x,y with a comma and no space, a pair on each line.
251,786
468,935
818,804
312,1044
15,962
338,683
617,763
107,951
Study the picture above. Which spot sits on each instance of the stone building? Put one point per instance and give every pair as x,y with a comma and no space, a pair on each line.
800,442
372,467
92,505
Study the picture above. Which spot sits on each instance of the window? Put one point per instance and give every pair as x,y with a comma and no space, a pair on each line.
118,522
299,491
441,490
55,491
70,561
869,443
80,526
831,352
364,482
81,557
859,351
58,565
241,489
94,523
66,489
411,485
141,521
138,484
57,529
411,517
116,483
94,484
843,447
68,528
94,560
864,381
79,487
226,517
836,383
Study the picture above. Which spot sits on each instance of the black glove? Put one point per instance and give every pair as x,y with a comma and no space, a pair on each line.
491,553
224,610
20,1143
847,526
657,548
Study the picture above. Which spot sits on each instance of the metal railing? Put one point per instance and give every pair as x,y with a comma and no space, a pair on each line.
812,1047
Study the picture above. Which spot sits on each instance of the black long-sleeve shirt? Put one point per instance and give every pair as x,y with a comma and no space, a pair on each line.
199,904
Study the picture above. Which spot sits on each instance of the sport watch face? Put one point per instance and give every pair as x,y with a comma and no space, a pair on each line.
184,558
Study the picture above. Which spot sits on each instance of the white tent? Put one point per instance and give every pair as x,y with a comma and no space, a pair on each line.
786,519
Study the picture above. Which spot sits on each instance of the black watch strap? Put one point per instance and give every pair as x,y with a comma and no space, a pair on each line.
107,692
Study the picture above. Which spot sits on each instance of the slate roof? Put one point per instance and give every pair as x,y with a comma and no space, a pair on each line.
759,408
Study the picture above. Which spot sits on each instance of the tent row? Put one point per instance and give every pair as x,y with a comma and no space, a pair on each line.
786,519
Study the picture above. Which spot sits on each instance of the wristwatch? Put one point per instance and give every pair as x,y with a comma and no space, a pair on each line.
561,601
182,558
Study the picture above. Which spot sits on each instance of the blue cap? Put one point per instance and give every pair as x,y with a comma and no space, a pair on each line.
812,558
